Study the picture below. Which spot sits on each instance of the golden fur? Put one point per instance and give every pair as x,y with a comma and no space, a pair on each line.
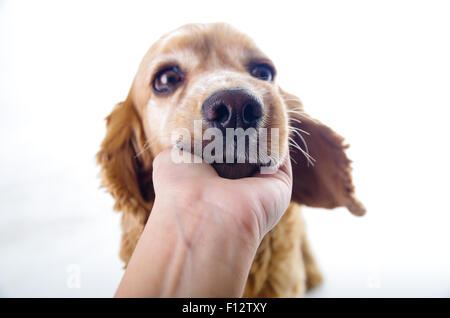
214,57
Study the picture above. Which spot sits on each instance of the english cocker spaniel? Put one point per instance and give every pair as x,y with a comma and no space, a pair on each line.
216,75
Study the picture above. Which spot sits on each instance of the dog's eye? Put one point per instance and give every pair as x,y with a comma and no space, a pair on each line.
262,71
167,80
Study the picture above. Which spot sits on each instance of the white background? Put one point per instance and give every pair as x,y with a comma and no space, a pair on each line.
378,72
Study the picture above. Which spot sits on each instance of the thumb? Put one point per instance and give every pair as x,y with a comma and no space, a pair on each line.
273,191
167,167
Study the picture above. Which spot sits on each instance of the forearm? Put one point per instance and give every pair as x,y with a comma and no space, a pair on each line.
194,260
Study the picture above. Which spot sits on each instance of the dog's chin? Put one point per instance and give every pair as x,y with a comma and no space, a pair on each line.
235,170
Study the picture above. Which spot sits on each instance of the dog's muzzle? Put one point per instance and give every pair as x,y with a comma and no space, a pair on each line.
240,110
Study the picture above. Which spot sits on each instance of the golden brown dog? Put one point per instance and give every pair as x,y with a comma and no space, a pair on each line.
217,75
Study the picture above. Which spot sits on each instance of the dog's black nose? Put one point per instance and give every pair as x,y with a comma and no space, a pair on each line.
233,108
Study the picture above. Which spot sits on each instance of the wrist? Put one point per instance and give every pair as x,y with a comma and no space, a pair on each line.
207,249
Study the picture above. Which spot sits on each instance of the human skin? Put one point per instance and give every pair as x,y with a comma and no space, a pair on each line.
203,231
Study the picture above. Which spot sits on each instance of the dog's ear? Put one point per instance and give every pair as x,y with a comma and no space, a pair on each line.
125,163
321,169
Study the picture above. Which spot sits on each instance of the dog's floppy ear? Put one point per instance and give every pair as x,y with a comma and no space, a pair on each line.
321,169
125,165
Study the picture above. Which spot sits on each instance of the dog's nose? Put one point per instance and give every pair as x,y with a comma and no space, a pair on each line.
233,108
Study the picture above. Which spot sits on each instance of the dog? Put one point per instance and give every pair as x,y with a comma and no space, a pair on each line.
214,74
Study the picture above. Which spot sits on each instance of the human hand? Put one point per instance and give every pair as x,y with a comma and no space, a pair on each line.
252,206
203,231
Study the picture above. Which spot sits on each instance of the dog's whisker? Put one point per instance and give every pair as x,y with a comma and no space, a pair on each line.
304,143
300,130
295,119
294,161
297,112
308,157
302,151
147,146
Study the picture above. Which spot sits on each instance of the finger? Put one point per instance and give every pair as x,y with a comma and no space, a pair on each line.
176,163
271,189
283,173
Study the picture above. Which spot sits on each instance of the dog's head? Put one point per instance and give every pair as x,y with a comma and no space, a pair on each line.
194,87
